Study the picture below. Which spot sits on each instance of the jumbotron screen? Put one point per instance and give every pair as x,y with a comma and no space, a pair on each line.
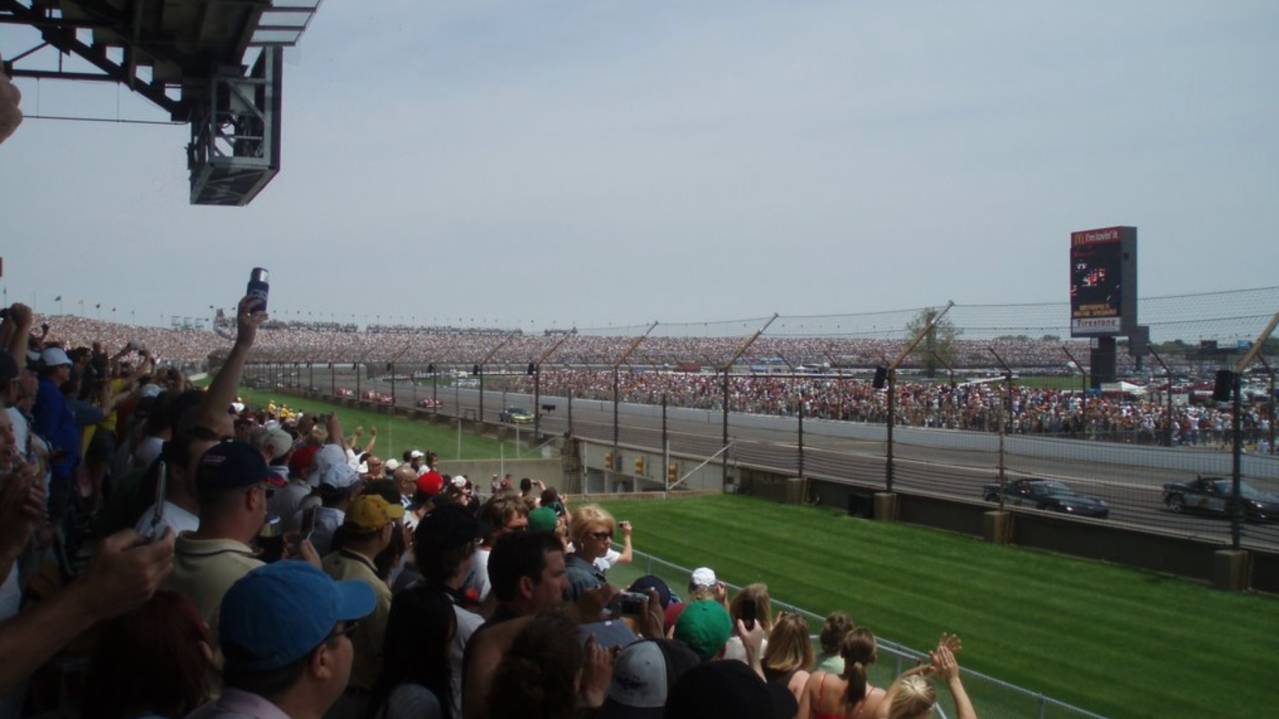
1103,283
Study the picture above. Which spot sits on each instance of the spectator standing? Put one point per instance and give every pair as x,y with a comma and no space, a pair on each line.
442,546
370,527
154,661
501,515
850,694
789,654
756,597
613,557
836,626
285,634
592,531
54,422
233,481
549,673
414,683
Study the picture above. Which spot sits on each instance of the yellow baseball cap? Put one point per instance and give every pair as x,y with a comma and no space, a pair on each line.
370,512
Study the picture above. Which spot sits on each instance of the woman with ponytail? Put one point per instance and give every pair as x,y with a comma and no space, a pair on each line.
850,695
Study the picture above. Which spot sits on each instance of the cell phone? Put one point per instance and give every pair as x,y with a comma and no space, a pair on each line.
308,524
631,603
156,529
259,288
749,613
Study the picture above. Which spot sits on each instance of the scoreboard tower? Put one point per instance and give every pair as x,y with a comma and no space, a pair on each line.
1103,293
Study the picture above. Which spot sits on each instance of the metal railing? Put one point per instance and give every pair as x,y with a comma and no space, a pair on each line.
992,697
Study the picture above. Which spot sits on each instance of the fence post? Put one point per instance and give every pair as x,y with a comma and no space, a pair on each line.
1236,511
394,398
801,447
892,419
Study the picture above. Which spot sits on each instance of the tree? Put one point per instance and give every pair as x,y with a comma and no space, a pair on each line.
938,342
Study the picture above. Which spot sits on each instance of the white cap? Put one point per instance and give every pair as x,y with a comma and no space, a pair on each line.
391,464
54,357
416,454
703,577
151,390
459,481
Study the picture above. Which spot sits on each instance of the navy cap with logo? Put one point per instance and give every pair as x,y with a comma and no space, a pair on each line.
232,465
277,613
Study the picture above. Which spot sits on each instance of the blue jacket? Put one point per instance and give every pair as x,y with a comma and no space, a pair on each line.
54,422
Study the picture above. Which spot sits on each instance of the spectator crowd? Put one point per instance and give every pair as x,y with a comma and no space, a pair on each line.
168,551
967,405
977,406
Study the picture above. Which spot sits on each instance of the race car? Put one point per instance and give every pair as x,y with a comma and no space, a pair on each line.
1048,494
1211,495
515,415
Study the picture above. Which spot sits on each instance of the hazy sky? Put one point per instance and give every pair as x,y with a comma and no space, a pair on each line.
612,162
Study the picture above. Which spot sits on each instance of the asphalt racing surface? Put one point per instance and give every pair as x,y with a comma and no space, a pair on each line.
1133,493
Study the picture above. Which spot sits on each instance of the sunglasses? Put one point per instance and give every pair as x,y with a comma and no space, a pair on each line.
602,535
344,631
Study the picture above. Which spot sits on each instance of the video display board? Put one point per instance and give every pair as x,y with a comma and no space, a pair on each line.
1103,282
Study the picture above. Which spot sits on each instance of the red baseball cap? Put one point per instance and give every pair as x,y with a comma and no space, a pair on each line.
300,460
430,483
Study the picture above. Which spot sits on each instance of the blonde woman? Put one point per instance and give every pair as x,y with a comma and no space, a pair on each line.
789,653
591,528
846,696
752,603
911,696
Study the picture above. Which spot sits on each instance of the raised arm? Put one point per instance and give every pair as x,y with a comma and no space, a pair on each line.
213,409
628,552
334,427
18,323
368,448
947,669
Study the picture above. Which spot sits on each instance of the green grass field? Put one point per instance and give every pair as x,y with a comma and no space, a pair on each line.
1113,640
1053,382
395,435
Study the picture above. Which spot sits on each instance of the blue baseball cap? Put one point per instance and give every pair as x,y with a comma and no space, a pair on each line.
277,613
231,465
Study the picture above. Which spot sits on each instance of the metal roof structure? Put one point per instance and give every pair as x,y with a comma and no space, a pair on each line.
190,58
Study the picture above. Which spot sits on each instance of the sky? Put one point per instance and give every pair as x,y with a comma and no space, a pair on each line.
534,164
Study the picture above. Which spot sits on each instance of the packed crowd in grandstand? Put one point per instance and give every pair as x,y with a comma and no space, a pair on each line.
971,406
168,551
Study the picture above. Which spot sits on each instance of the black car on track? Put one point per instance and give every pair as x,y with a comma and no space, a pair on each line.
1048,494
1211,495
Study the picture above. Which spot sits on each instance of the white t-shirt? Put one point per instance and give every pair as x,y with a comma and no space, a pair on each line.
147,452
174,516
607,561
410,701
480,572
467,623
20,429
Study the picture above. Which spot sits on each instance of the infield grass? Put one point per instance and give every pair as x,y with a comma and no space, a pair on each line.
1049,381
1110,639
396,434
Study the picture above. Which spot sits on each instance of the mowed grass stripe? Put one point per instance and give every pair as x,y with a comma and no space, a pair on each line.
1115,640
